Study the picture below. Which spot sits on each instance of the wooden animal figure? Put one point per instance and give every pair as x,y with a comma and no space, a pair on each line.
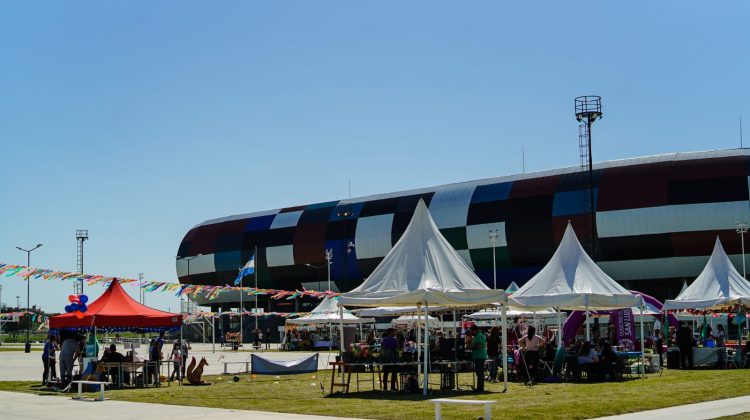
194,377
190,368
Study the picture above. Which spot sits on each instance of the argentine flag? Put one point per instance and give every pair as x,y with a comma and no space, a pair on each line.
248,269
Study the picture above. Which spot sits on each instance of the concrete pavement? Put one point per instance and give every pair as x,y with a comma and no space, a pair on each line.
37,407
704,410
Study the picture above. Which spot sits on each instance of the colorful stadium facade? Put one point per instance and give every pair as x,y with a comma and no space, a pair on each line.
656,221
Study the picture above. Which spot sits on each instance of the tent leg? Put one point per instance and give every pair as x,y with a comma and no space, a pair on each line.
426,356
504,326
643,348
559,328
419,343
588,332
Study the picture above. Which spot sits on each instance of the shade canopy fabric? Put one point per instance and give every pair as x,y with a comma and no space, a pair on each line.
571,280
115,309
718,285
328,312
395,310
422,268
513,311
416,319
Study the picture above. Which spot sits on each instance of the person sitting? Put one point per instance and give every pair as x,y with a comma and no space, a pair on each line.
111,355
588,359
530,345
719,336
611,365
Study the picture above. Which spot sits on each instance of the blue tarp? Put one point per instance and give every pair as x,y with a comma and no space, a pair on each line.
262,366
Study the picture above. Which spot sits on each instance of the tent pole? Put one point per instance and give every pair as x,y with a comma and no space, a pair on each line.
504,326
341,332
419,344
455,335
588,333
643,348
213,335
559,328
426,351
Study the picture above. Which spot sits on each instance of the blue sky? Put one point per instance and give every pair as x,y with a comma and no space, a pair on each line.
137,120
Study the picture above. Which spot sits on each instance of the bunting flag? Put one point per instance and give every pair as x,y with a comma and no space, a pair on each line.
199,315
179,289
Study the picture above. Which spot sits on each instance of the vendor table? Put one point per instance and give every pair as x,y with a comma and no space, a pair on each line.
706,356
133,368
448,371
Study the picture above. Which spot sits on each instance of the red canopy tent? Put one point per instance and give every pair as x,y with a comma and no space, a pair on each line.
116,310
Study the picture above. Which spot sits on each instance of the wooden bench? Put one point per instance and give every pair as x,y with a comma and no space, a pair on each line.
82,383
486,403
247,366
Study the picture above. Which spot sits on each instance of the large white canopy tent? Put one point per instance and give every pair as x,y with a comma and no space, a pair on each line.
423,269
719,285
394,310
571,280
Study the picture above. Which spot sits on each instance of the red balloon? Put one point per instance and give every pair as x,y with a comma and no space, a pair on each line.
73,298
79,315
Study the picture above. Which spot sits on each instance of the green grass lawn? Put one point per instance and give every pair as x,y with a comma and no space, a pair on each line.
302,394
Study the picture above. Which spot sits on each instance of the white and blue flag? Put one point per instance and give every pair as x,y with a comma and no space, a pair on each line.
248,269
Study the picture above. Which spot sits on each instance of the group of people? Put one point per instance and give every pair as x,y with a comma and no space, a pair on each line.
75,348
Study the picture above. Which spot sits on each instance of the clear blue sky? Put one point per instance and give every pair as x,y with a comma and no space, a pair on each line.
138,120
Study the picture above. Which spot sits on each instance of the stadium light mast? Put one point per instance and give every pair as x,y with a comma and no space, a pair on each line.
588,109
82,235
27,347
742,230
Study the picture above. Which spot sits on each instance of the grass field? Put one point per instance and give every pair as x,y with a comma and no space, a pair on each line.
302,394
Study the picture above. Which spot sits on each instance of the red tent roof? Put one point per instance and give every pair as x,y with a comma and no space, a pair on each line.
116,309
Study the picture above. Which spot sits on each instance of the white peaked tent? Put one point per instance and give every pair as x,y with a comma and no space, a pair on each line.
416,320
423,269
571,280
718,285
512,288
394,310
328,312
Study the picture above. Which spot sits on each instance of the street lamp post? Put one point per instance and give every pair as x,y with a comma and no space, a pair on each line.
317,272
329,258
741,230
181,295
27,348
493,239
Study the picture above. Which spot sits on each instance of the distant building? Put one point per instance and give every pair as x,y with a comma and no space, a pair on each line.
656,221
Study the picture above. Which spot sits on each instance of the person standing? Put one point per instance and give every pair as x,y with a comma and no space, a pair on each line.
155,357
184,349
176,356
530,346
48,359
68,353
493,345
268,339
685,343
478,355
389,346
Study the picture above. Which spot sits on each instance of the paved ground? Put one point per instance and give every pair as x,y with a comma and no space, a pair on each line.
20,366
705,410
28,406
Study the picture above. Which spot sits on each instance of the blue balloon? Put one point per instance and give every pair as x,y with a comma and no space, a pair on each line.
68,309
83,299
73,307
83,308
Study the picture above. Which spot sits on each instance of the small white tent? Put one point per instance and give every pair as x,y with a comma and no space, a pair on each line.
423,269
328,312
718,285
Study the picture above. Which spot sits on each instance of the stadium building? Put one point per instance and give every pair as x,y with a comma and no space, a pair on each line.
656,219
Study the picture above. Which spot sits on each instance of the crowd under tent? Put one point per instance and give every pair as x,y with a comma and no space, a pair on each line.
422,269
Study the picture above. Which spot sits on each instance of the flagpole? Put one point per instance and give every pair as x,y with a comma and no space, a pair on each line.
255,271
242,307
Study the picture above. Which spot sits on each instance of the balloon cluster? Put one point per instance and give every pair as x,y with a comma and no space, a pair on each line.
77,305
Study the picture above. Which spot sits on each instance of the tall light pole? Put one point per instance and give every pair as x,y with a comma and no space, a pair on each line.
494,235
142,293
317,272
329,258
181,295
27,348
742,230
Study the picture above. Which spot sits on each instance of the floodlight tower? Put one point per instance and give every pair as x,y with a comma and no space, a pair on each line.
82,235
588,109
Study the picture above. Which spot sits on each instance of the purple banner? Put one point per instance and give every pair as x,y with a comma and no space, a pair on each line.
624,324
